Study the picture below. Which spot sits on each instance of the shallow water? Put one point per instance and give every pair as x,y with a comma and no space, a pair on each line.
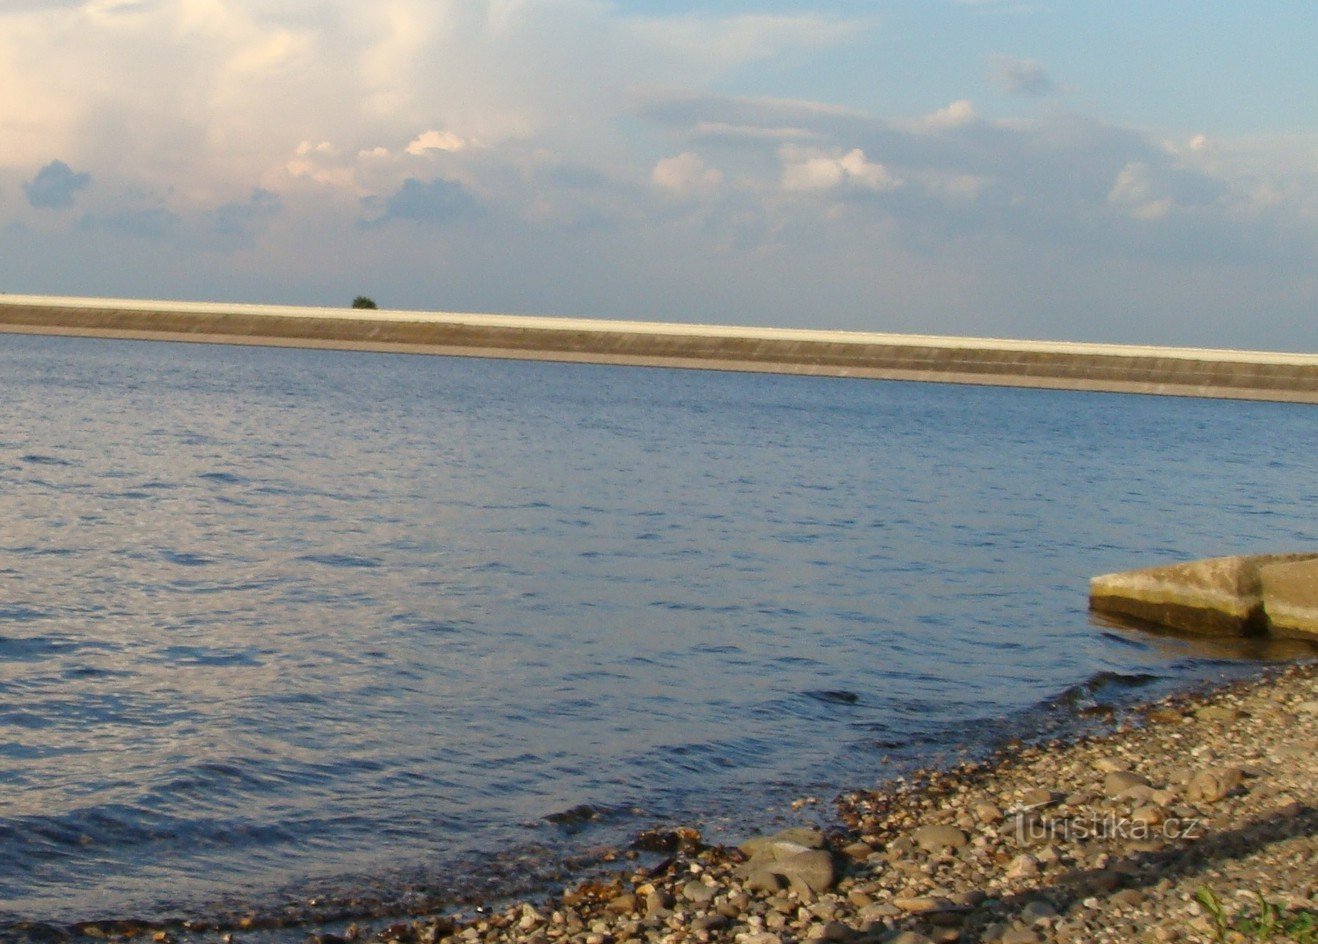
281,620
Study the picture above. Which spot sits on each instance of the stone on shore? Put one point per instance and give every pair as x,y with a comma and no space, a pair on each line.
936,837
1290,598
1216,596
794,858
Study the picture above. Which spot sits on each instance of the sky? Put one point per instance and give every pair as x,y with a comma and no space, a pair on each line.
1114,171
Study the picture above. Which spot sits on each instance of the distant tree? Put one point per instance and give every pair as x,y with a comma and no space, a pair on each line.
361,301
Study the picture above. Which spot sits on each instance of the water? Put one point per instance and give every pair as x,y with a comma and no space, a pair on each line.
274,621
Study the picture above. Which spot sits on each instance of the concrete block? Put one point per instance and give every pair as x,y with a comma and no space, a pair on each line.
1216,596
1290,598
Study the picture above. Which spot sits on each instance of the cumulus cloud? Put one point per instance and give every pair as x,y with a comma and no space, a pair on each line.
54,186
686,174
803,171
1021,76
435,141
956,115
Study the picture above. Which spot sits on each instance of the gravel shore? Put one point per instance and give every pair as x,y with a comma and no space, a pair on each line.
1195,821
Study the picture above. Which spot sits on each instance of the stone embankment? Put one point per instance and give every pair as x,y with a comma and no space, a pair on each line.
1195,822
1061,365
1274,594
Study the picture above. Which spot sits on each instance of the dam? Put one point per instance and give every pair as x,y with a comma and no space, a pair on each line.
1198,372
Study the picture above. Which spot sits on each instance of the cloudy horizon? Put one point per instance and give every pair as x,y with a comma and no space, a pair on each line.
981,167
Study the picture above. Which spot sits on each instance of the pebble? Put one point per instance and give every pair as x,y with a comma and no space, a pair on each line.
1119,781
936,837
698,893
1210,786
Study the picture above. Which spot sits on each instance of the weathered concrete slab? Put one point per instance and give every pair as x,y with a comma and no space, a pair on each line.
1217,596
1290,598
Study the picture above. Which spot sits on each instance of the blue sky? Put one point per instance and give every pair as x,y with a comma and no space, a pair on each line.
1009,168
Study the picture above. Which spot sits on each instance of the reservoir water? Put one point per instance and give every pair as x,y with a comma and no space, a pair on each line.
284,623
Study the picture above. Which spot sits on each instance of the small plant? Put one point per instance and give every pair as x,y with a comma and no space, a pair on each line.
1270,923
1213,905
361,301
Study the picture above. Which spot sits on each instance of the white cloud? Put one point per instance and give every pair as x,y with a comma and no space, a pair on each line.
435,141
806,171
686,174
956,115
1133,191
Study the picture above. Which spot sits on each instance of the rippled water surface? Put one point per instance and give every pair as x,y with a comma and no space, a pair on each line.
276,617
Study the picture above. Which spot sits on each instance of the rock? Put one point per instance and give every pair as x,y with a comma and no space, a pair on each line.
803,836
832,931
1150,815
765,882
1164,716
1023,866
1119,781
879,911
922,904
698,893
1290,598
781,845
935,837
1210,786
623,904
1217,596
810,871
770,849
1140,793
1037,911
859,851
709,922
1039,797
987,813
1019,936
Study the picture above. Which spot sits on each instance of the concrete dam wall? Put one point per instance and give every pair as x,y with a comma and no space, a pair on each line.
1060,365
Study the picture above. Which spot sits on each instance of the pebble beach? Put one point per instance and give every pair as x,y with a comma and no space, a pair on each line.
1193,821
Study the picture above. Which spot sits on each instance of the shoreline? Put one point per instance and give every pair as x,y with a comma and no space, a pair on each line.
1107,837
1100,837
